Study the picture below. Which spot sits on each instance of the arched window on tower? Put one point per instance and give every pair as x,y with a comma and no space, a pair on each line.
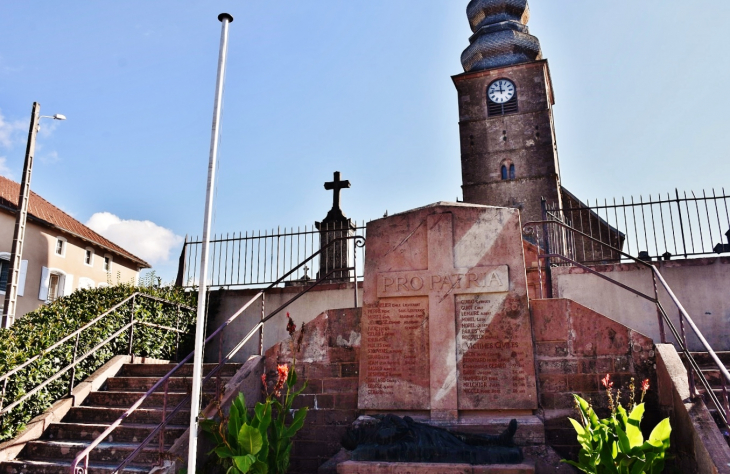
504,172
511,171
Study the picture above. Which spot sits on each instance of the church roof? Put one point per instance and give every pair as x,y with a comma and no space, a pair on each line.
501,37
51,216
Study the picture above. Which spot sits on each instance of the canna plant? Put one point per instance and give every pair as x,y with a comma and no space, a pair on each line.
615,445
260,443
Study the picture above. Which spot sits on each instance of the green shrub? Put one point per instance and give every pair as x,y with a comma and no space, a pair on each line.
615,445
42,328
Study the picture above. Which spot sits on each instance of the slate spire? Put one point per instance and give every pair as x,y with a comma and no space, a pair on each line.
501,37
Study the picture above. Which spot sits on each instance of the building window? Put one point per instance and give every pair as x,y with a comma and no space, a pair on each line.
54,285
507,171
107,263
4,272
89,257
60,246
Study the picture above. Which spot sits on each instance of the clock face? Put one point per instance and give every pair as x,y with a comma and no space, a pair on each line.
501,91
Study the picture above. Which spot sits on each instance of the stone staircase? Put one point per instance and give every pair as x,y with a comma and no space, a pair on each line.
61,442
713,375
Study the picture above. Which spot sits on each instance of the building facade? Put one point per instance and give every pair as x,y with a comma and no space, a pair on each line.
60,254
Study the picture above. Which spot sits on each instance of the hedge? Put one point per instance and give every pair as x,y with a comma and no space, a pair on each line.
40,329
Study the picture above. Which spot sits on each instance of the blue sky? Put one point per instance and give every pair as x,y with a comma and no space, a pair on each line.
359,87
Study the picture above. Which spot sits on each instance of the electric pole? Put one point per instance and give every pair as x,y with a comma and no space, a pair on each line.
11,292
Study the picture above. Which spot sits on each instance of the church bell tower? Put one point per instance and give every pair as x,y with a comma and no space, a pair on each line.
509,154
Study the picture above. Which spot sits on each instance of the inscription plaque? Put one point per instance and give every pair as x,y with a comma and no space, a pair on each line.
397,336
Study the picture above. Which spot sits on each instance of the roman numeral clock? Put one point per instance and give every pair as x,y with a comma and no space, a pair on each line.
502,97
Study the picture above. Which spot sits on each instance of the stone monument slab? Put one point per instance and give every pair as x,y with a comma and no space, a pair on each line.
445,318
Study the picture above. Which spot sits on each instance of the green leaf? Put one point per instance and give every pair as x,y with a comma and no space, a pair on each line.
244,463
250,440
661,433
234,421
623,441
240,403
296,394
223,452
296,423
588,412
633,429
638,467
261,467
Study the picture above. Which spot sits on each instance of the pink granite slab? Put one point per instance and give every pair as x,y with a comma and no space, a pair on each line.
445,317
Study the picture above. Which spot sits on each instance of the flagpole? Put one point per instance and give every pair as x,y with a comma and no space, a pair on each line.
225,20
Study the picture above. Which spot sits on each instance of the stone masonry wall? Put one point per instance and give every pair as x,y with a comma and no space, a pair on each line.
329,360
574,348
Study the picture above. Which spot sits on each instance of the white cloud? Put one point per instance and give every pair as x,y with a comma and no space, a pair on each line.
144,239
49,158
10,132
4,169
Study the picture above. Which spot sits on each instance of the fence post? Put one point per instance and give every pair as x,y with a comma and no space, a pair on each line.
690,371
681,223
131,332
662,334
354,267
546,246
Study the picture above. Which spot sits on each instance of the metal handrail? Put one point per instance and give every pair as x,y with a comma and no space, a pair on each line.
680,336
359,241
77,360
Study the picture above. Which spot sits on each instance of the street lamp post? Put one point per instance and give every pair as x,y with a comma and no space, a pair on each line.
16,254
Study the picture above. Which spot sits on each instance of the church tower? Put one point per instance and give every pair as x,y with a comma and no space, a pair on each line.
509,153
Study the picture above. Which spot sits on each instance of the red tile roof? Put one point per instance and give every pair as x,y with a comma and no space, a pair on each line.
55,217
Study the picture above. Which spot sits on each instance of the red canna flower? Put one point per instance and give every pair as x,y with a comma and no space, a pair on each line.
645,385
283,371
606,381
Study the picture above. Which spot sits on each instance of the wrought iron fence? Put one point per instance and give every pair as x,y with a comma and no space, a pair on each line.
260,257
680,225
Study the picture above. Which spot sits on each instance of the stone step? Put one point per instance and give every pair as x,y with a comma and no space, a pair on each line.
100,415
130,433
160,370
714,377
142,384
704,359
127,399
61,467
105,453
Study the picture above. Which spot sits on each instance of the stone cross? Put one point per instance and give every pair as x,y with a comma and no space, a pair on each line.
336,186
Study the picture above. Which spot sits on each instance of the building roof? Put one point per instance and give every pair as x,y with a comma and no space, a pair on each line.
51,216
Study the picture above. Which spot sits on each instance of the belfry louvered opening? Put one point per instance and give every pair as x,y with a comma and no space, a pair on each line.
509,107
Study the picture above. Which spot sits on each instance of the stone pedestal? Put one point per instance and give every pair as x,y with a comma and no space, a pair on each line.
446,327
339,254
